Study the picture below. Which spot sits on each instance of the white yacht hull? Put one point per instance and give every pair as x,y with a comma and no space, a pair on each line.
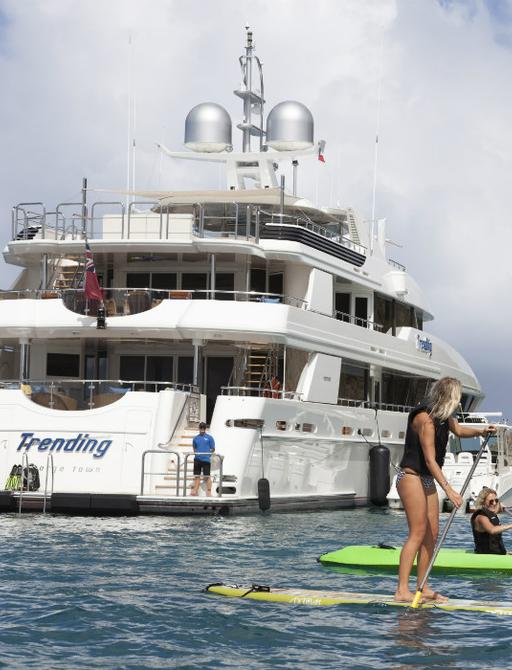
311,454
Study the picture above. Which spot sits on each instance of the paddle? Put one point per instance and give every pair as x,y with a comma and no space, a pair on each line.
416,601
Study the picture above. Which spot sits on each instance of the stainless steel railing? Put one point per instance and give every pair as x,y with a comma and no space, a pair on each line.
86,394
192,455
237,221
143,472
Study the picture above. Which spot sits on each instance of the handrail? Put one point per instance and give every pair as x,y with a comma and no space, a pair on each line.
358,321
144,473
52,383
260,391
214,455
162,445
366,404
49,459
24,459
255,215
156,294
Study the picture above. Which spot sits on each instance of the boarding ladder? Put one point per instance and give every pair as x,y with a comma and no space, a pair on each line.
353,231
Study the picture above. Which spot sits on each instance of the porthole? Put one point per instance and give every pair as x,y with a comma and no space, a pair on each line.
229,423
347,430
367,432
386,433
280,425
401,435
308,428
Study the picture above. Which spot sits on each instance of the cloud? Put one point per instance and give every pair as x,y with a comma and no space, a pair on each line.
445,144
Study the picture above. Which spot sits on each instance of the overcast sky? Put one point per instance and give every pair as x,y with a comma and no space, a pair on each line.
445,143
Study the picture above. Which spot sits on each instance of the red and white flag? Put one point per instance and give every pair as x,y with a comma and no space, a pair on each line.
321,147
92,288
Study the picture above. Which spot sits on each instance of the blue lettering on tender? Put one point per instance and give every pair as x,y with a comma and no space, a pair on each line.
80,443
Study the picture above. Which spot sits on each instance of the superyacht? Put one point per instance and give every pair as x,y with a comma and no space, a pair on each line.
283,325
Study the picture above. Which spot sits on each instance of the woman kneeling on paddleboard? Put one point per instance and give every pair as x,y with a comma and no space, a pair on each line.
428,427
486,525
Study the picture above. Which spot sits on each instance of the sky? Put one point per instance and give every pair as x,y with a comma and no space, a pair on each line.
441,70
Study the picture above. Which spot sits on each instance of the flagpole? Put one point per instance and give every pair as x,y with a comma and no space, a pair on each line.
84,208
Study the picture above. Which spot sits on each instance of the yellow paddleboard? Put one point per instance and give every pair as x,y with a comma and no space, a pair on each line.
328,598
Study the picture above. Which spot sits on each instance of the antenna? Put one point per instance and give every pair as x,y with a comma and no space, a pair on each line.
376,151
129,157
253,100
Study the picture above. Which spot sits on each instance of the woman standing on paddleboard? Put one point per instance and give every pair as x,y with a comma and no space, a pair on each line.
428,427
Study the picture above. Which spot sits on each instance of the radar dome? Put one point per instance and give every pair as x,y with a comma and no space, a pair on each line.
290,127
208,128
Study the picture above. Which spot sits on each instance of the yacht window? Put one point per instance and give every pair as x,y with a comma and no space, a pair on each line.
146,369
308,428
224,281
185,369
342,302
138,280
195,281
383,311
275,283
403,390
404,315
354,382
258,280
163,280
361,311
63,365
157,280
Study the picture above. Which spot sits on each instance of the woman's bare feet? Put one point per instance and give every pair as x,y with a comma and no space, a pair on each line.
433,595
406,597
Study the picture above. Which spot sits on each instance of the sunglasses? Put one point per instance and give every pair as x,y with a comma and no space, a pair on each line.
494,501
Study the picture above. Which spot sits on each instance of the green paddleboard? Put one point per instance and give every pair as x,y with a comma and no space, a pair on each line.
448,559
312,598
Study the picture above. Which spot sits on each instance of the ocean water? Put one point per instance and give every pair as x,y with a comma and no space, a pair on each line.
126,593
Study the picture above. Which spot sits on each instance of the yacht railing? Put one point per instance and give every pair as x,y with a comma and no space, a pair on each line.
259,392
49,468
275,218
33,221
218,457
124,301
144,473
358,321
366,404
396,264
84,394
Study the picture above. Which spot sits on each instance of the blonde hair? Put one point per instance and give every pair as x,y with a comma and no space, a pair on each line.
481,497
444,397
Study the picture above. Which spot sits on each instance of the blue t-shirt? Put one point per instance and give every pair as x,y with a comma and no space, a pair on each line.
203,446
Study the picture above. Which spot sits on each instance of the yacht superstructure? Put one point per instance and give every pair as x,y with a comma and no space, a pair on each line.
283,325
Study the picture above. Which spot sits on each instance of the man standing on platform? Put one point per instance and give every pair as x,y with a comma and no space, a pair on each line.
204,446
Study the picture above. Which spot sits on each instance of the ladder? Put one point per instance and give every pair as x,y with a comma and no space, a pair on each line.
353,231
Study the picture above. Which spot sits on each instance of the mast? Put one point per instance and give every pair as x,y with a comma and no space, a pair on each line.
252,98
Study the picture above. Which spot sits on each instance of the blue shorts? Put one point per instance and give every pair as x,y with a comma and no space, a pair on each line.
426,480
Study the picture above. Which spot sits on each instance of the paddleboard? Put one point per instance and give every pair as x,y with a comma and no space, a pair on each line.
388,558
328,598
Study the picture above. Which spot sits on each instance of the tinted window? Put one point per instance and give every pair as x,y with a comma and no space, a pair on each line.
63,365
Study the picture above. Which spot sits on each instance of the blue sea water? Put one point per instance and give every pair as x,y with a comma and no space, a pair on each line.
126,593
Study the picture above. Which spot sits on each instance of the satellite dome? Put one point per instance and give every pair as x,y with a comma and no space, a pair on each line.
208,128
290,127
